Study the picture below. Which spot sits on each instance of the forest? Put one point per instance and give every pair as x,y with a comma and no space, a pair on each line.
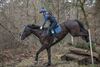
15,15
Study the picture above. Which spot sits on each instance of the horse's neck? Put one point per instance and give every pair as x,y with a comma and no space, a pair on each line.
37,32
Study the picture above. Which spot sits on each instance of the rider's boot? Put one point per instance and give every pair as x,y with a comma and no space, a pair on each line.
49,32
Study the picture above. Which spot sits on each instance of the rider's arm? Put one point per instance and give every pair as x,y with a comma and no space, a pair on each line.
46,19
44,22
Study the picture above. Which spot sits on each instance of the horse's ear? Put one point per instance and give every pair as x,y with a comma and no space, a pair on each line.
23,26
33,25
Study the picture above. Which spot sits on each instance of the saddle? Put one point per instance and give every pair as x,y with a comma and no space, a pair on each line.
56,30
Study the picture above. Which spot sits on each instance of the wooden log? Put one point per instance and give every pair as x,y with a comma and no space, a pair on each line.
78,58
84,52
87,60
71,56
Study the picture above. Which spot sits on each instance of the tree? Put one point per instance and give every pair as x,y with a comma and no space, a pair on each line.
97,19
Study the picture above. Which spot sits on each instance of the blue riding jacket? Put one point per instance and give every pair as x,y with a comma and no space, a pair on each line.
52,19
48,17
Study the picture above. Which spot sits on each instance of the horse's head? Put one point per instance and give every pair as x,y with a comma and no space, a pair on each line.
27,31
86,37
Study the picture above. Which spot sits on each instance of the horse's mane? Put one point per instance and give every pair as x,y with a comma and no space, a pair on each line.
33,26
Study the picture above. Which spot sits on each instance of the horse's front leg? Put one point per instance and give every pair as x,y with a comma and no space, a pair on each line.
49,56
38,52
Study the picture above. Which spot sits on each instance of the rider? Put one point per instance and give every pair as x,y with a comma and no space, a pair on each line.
48,17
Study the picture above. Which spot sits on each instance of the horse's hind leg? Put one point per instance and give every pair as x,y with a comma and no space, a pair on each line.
38,52
49,56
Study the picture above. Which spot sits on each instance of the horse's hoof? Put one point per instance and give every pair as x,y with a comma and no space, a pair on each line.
47,64
36,62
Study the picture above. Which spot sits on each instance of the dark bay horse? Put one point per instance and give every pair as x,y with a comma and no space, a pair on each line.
74,27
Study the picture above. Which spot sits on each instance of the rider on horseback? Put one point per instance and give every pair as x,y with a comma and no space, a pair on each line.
48,17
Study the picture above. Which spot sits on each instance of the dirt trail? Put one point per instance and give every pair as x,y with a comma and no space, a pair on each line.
26,59
56,61
30,63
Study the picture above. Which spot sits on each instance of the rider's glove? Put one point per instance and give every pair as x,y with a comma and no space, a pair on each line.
41,27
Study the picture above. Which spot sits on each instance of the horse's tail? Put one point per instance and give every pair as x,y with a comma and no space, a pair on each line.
80,24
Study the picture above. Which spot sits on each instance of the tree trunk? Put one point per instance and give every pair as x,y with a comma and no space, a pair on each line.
97,19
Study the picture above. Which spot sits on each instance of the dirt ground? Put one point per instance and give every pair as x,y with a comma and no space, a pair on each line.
57,52
27,59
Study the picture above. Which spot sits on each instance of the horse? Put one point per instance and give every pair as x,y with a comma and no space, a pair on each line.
74,27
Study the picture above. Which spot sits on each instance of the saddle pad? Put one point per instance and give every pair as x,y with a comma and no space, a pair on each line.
57,29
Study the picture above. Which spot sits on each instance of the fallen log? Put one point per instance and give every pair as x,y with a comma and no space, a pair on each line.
71,56
84,52
87,60
78,58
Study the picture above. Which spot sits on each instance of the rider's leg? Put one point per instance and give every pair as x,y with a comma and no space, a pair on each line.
49,29
53,26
